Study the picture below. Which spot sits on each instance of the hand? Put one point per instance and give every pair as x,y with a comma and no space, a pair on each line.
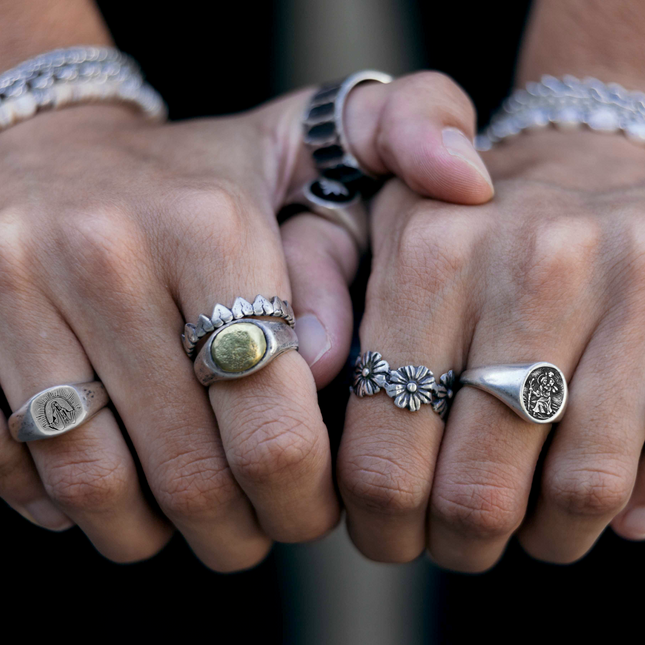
552,269
113,232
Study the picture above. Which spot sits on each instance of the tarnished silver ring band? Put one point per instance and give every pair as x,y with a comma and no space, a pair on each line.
242,347
241,308
411,386
324,130
57,410
337,203
537,392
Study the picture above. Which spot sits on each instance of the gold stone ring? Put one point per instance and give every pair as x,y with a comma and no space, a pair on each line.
242,347
261,306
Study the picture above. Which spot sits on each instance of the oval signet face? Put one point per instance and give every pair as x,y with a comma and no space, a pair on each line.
57,410
239,347
543,393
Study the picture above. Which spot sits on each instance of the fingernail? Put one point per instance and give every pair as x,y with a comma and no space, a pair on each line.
459,145
634,523
45,514
312,338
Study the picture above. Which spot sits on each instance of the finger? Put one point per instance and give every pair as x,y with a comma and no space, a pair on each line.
489,454
630,524
591,466
420,128
387,455
152,385
322,260
21,488
275,440
88,473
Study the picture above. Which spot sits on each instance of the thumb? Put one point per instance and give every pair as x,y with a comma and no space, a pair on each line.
419,127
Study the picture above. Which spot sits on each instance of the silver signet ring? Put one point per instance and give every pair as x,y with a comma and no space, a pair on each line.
57,410
242,347
537,392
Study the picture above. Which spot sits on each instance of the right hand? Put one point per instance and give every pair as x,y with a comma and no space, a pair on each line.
113,232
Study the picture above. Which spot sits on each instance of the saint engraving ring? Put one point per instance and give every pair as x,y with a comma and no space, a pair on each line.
57,410
537,392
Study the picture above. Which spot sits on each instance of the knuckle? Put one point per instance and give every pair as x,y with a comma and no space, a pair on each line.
101,244
635,250
482,511
560,260
194,485
89,485
382,485
221,203
591,492
434,251
13,256
447,97
270,449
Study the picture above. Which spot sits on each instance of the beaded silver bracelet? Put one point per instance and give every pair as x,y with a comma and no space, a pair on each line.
568,103
71,76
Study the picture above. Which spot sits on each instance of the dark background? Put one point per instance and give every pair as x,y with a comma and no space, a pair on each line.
215,58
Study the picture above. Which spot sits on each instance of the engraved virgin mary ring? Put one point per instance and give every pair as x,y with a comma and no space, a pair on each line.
242,347
57,410
537,392
324,130
410,386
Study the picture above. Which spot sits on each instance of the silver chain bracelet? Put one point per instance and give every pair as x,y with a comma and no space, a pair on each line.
71,76
568,103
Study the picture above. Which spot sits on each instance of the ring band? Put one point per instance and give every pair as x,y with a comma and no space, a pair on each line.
242,347
537,392
338,203
241,308
57,410
325,132
411,386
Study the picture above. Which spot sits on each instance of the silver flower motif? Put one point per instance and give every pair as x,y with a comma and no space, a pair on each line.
442,393
411,386
370,374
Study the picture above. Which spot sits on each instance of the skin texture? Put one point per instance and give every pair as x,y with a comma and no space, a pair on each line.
549,270
113,232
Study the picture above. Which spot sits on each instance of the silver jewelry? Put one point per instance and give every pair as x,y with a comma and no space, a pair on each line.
75,75
241,308
242,347
324,129
339,203
537,392
57,410
410,386
568,103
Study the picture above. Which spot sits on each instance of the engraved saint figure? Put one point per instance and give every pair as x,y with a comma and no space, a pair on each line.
542,388
59,413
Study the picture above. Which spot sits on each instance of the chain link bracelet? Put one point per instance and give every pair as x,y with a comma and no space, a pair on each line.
568,103
72,76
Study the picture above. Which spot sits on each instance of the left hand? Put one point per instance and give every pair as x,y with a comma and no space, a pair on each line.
553,269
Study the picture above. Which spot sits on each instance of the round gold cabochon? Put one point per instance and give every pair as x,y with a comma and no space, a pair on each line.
239,347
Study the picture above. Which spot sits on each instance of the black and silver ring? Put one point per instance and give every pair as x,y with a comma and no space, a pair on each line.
324,130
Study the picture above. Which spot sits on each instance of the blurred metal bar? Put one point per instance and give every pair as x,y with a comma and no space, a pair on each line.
319,40
333,595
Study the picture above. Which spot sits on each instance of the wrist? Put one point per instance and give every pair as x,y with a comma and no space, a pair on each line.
577,37
32,27
578,160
